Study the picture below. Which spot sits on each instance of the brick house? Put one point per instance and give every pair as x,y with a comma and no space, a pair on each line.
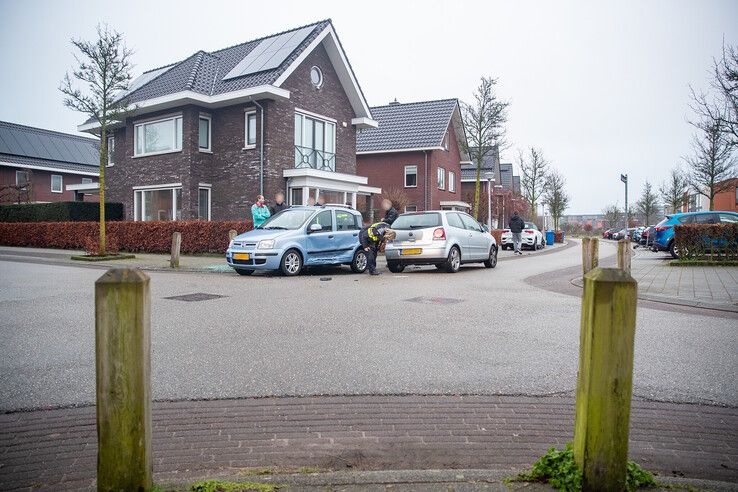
417,148
38,165
726,199
211,132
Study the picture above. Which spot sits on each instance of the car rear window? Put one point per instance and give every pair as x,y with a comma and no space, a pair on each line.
417,221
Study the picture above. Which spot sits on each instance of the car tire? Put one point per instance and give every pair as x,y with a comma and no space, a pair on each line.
453,261
492,260
291,263
359,263
395,267
243,271
673,251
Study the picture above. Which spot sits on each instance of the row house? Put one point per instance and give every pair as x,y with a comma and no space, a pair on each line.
207,134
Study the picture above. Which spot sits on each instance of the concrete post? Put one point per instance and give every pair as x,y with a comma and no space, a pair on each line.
624,255
176,244
590,254
605,379
123,375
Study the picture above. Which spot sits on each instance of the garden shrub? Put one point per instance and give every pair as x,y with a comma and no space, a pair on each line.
60,212
706,241
135,237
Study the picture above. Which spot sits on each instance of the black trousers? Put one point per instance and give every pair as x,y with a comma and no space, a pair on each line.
371,258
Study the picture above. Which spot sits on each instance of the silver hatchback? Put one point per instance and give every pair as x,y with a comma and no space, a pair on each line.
444,238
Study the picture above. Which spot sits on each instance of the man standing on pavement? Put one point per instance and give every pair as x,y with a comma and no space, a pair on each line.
390,212
279,204
370,238
516,227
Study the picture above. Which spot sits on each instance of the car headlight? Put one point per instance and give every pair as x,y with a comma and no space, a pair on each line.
266,244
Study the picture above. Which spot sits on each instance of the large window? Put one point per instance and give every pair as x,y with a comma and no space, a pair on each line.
411,208
411,176
22,178
158,204
315,143
250,136
57,184
441,178
111,151
452,181
158,137
204,133
203,203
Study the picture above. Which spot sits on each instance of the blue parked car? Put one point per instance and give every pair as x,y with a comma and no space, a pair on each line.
300,237
664,240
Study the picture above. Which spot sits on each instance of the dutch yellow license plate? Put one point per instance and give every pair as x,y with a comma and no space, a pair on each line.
241,256
412,251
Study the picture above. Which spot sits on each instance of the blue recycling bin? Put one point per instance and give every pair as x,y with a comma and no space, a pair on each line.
549,238
562,236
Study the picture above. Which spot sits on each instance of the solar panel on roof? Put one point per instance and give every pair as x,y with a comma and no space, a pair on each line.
269,53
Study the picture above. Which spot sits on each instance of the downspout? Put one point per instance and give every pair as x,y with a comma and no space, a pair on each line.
261,146
427,190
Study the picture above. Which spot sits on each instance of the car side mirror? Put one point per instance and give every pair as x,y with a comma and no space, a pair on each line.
316,227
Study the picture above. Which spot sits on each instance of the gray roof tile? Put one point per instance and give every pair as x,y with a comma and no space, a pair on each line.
407,126
20,143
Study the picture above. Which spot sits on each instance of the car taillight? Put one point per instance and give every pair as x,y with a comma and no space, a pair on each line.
663,228
528,231
505,230
439,234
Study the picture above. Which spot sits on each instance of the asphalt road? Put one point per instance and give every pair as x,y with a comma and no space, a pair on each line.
476,332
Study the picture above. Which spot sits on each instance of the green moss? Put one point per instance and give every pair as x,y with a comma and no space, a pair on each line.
726,263
559,470
223,486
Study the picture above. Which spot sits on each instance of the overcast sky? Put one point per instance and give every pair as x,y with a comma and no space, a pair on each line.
601,87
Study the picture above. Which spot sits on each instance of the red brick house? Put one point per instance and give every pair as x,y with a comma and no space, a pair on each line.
38,165
211,132
417,148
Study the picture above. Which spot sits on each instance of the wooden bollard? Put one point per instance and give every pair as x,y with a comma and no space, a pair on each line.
624,255
590,254
605,380
232,234
176,245
123,376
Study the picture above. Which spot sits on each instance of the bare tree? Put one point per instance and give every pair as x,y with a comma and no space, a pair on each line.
554,196
105,68
533,169
711,162
648,205
484,122
611,216
672,191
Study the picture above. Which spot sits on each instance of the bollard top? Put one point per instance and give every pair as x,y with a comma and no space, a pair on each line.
609,275
123,276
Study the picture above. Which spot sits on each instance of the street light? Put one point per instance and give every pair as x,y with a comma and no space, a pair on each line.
624,179
490,179
501,212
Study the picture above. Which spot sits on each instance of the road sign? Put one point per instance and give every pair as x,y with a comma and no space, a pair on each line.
624,178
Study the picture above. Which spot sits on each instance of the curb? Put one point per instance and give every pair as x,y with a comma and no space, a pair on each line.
676,301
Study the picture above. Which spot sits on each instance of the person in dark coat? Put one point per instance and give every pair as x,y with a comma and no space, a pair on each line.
516,227
370,238
390,212
279,204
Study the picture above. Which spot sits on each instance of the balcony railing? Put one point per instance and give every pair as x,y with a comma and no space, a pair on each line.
315,159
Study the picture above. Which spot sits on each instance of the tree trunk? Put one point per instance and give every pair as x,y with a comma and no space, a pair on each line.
476,187
103,163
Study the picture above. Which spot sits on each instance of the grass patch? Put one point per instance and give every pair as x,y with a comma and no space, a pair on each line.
121,256
558,469
703,263
278,470
224,486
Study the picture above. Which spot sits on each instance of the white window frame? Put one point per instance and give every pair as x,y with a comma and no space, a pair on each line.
441,178
139,214
246,116
111,151
61,183
411,208
209,148
28,178
326,122
176,145
203,186
452,182
415,171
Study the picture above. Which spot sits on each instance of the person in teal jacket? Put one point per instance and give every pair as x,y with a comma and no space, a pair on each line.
259,211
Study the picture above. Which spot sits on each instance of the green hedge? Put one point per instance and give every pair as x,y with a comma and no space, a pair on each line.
716,242
59,212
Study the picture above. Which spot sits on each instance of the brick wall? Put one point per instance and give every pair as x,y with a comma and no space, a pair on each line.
41,184
726,200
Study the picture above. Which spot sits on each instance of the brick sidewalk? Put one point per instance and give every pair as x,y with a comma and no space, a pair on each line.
56,449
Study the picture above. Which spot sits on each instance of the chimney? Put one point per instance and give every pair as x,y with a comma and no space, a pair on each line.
394,103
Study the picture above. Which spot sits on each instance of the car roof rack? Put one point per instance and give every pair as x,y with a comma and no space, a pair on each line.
342,205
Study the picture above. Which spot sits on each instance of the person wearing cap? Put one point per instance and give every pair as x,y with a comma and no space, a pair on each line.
371,238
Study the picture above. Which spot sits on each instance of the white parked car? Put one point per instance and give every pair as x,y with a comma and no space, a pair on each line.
532,237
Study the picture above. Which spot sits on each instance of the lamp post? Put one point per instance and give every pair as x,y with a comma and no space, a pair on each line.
500,212
624,179
490,179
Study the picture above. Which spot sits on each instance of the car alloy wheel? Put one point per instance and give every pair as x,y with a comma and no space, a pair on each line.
291,263
492,260
454,260
360,262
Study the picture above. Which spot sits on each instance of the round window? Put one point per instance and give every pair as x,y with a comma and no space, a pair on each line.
316,76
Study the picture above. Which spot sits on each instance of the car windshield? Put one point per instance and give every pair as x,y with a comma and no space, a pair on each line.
289,219
417,221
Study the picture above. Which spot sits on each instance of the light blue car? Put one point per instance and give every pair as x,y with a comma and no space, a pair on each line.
300,237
